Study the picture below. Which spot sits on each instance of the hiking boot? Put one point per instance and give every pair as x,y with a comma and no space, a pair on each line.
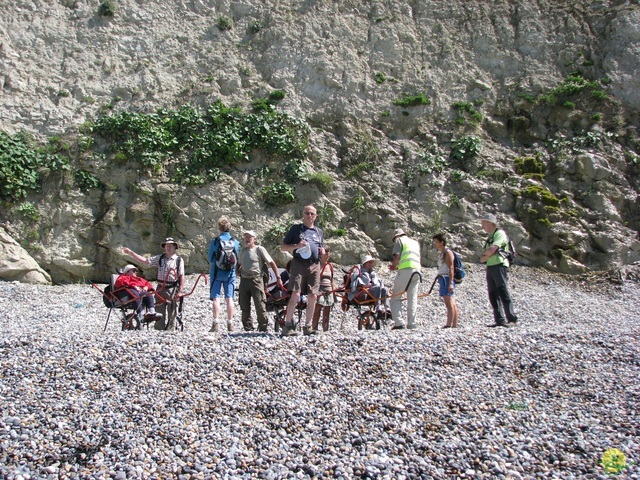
214,327
309,331
498,324
289,331
513,320
230,326
412,327
397,327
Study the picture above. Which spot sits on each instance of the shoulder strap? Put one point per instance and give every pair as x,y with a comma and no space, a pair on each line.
328,264
261,255
490,238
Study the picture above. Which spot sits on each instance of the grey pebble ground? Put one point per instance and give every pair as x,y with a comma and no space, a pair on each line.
543,399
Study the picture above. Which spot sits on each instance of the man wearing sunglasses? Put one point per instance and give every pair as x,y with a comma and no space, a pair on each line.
305,242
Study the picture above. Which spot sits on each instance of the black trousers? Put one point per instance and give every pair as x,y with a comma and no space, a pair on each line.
499,297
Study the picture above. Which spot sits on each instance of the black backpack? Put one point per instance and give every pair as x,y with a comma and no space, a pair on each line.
458,268
510,252
226,258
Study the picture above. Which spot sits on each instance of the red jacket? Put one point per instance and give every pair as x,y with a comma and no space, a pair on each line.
130,281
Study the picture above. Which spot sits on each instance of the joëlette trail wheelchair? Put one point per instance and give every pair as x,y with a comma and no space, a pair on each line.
277,302
372,310
369,303
124,300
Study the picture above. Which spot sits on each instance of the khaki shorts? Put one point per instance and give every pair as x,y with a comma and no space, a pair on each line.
304,277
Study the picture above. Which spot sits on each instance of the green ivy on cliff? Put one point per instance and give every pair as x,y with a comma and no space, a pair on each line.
201,143
23,165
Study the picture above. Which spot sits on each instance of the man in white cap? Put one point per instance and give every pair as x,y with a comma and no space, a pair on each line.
170,281
497,265
251,262
406,260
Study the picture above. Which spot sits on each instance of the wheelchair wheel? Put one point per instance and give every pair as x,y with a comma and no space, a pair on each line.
366,320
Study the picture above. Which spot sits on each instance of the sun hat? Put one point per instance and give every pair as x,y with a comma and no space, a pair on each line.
250,232
128,268
367,258
398,233
169,240
489,217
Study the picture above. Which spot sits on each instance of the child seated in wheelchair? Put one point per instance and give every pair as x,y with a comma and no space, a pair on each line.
367,288
130,283
327,296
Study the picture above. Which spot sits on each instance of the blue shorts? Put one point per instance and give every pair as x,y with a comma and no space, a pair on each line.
444,287
227,287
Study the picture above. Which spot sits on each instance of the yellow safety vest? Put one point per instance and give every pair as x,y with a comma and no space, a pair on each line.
410,255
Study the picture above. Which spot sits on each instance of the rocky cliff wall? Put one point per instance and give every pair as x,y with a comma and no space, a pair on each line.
504,76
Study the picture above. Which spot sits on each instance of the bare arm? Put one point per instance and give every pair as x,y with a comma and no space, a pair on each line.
274,267
448,259
394,264
131,253
286,247
488,253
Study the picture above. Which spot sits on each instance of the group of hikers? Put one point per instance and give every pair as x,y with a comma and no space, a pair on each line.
310,275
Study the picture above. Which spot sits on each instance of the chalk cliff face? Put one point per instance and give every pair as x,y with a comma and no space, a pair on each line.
495,87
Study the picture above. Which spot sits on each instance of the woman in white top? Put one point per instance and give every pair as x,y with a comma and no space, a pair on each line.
445,279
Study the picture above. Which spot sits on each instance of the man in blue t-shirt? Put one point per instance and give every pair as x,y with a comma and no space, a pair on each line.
305,241
497,265
221,278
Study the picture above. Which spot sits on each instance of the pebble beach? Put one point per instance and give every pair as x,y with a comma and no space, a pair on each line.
545,398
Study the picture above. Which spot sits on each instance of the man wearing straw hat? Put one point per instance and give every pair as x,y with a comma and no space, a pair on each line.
170,281
406,260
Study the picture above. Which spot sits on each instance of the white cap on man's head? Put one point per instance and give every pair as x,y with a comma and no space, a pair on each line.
367,258
251,233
